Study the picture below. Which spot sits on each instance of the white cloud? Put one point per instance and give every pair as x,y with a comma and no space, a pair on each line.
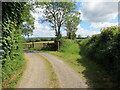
103,25
99,11
37,13
64,33
43,33
81,31
42,30
98,0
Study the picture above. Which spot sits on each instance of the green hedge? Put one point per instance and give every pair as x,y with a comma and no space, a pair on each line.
104,49
12,62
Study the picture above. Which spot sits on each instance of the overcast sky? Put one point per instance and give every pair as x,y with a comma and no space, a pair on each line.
94,16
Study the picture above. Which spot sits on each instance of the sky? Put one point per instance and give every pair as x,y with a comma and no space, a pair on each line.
94,17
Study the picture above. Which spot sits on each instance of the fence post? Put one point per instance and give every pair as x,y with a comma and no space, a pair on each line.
33,44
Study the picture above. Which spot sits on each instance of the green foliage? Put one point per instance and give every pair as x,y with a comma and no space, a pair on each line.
69,46
104,49
33,40
28,24
44,39
52,39
72,21
11,68
14,14
79,37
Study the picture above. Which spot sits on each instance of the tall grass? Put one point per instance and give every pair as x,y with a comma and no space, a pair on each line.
12,71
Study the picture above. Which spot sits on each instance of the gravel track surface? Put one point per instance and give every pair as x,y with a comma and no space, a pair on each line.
68,78
36,73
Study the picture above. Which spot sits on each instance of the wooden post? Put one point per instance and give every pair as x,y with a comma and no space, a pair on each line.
58,45
33,44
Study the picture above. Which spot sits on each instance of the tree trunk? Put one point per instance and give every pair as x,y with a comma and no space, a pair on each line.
58,38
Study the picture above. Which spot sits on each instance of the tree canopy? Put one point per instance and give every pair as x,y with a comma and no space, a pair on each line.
72,21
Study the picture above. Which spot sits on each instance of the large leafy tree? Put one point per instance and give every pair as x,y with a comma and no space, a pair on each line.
73,20
55,13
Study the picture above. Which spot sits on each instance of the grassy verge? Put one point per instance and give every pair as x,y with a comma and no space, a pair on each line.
93,74
53,81
12,81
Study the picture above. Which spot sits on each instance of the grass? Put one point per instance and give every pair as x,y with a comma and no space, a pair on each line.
53,80
37,48
69,46
12,81
93,74
40,42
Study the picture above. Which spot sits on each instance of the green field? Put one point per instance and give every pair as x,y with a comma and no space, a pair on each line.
40,42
